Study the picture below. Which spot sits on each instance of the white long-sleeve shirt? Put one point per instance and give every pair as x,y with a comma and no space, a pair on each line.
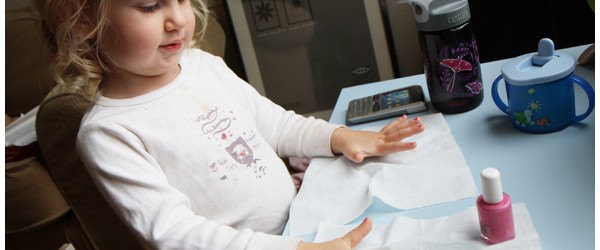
196,164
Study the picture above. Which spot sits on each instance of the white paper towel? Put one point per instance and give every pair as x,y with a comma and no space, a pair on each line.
336,190
458,231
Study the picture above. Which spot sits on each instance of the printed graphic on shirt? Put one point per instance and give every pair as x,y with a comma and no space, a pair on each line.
222,128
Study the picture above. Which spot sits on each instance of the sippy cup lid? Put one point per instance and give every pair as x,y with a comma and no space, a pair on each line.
543,66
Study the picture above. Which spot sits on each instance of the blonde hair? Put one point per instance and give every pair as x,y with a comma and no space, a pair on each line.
74,29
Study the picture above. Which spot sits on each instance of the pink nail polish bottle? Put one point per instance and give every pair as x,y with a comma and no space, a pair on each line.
495,209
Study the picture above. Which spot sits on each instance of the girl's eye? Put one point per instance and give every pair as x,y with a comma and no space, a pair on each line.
150,8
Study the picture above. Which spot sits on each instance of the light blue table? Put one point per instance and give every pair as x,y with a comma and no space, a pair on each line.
553,174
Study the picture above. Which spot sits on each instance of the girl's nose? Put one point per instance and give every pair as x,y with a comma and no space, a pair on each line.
175,19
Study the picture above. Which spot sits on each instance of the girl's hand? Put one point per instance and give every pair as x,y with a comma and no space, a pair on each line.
357,145
347,242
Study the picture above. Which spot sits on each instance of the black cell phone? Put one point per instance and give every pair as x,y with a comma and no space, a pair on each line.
396,102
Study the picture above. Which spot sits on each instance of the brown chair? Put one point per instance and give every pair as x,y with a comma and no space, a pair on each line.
36,211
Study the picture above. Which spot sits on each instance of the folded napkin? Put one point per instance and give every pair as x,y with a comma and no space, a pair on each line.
336,190
457,231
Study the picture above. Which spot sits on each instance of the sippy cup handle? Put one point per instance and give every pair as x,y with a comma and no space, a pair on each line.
585,85
501,105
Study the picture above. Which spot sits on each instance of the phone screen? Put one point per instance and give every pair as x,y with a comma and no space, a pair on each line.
394,99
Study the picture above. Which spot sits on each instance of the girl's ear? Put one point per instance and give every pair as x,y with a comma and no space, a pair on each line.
86,25
86,30
82,29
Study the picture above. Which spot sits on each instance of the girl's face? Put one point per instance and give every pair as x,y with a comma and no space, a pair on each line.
147,37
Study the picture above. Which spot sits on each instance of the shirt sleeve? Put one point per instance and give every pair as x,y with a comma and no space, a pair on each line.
289,133
134,184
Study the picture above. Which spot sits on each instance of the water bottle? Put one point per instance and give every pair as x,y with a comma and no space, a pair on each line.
450,54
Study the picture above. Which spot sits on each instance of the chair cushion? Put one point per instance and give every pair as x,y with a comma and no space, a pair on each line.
32,198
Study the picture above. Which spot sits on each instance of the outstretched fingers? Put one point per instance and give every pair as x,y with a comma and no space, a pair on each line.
396,147
396,122
398,130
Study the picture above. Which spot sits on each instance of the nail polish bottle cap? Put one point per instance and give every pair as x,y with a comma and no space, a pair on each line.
491,185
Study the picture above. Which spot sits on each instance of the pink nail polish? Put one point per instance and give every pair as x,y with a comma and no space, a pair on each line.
495,209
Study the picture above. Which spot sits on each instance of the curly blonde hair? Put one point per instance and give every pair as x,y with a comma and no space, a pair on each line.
74,29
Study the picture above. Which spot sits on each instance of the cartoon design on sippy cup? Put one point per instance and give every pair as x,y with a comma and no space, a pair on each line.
525,118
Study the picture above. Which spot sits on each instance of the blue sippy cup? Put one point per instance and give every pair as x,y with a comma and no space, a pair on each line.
540,90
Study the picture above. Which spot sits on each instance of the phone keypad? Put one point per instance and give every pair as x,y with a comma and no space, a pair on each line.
360,107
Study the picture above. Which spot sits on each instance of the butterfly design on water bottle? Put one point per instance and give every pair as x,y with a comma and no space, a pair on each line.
455,65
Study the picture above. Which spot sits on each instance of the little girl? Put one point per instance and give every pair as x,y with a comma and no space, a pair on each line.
183,149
